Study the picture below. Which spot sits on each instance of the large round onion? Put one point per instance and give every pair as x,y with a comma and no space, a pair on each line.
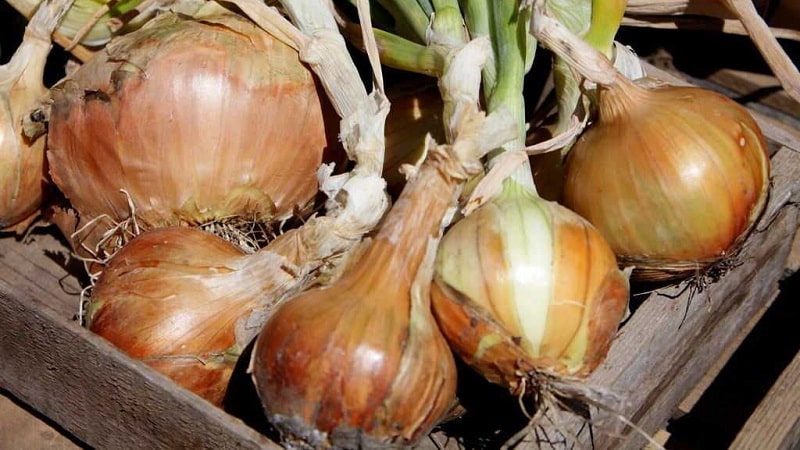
673,177
189,121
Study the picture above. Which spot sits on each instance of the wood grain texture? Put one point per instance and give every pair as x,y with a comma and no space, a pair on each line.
85,384
775,423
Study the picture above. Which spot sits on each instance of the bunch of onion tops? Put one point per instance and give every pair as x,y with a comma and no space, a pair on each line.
176,140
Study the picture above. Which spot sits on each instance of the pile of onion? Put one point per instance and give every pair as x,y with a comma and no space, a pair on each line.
186,122
673,177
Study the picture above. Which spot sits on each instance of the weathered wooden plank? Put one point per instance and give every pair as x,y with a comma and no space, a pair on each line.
83,383
775,424
725,355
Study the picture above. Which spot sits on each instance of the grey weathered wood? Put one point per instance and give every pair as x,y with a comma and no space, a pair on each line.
775,423
83,383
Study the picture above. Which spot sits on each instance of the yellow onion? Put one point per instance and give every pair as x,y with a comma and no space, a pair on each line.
360,363
178,299
525,285
22,162
673,177
188,121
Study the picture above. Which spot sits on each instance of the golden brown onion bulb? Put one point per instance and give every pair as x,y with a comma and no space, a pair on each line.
673,177
360,363
178,299
524,284
186,122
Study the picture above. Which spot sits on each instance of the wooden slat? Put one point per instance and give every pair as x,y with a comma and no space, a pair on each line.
85,384
775,424
700,388
19,430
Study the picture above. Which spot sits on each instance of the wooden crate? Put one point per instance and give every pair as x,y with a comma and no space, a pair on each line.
665,352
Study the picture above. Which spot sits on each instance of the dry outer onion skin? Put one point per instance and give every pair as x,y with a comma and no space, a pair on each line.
178,298
22,162
673,177
195,120
360,362
525,284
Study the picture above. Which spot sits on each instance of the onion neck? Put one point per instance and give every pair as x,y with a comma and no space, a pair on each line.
399,248
620,99
514,49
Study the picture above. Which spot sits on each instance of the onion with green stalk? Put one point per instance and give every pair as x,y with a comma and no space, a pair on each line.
334,366
690,167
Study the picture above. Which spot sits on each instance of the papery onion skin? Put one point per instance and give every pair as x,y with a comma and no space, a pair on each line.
23,183
22,169
524,284
360,363
189,121
673,177
176,298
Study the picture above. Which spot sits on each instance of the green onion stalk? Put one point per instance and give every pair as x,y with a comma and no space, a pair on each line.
596,22
87,21
422,46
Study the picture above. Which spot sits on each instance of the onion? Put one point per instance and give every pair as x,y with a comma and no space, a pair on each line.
525,285
361,362
185,122
22,173
178,299
673,177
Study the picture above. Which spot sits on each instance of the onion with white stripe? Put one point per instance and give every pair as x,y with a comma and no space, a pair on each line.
524,284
